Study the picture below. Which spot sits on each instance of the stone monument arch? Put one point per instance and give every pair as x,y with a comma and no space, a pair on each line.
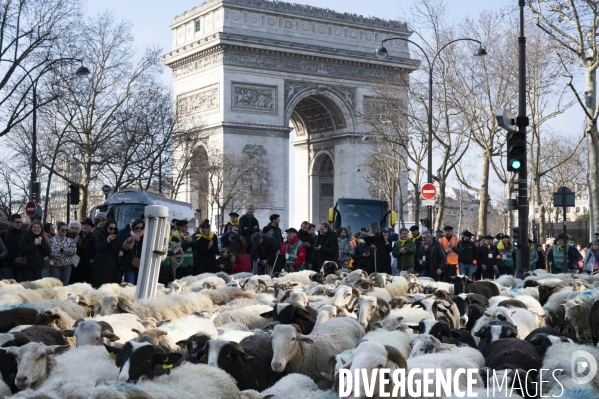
260,72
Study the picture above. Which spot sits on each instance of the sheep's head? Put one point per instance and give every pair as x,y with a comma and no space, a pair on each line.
286,339
91,332
372,355
32,362
47,318
325,313
345,297
209,314
112,304
372,309
423,344
365,285
415,288
570,308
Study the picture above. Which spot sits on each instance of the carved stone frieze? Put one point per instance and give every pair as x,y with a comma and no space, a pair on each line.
254,150
348,94
198,101
253,98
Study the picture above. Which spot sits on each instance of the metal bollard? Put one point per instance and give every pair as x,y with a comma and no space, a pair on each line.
154,250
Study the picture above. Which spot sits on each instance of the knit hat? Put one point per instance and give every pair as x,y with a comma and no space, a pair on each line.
267,228
234,214
100,215
467,233
291,230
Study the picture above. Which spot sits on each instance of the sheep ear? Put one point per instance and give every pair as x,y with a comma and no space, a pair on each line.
237,350
69,332
331,292
267,315
125,305
182,344
161,322
305,339
56,349
166,359
12,350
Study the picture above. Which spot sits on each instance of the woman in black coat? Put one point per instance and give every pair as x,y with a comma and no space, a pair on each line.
132,249
326,247
381,246
205,247
105,266
35,245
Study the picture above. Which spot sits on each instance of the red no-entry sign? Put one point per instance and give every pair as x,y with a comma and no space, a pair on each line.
31,209
428,191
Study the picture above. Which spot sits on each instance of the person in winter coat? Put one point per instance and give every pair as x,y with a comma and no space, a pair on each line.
361,254
404,250
304,235
556,259
233,221
275,220
86,249
249,225
326,247
533,255
131,251
181,241
105,265
487,259
166,275
467,255
416,236
431,257
294,252
11,238
507,255
35,245
233,241
541,260
345,248
591,258
62,249
381,247
267,253
224,261
205,247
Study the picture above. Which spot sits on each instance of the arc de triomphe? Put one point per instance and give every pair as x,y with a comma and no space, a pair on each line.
250,67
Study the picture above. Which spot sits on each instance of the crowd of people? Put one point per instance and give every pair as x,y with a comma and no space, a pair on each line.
96,252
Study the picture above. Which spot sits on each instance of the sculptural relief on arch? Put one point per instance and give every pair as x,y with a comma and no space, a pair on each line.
254,70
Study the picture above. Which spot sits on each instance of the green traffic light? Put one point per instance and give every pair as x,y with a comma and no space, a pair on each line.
516,164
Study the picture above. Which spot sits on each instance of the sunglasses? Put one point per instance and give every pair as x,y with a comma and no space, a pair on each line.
111,228
64,230
138,228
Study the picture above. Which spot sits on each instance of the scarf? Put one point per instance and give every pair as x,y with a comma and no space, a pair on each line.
417,237
233,223
501,246
403,242
208,237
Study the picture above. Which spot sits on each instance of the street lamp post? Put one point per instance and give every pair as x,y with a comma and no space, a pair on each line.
81,71
381,52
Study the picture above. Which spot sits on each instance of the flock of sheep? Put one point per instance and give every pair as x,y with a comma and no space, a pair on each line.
245,336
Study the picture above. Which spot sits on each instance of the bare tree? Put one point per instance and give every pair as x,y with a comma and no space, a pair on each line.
28,31
573,25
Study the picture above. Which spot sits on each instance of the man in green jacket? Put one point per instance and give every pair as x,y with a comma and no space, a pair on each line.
404,250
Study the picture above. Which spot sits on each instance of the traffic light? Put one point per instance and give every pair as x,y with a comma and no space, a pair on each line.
516,236
74,194
516,151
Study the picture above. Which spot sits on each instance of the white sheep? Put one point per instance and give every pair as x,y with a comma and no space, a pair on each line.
169,307
397,287
508,281
122,326
70,375
309,354
368,356
292,386
559,356
577,311
248,315
186,326
397,339
523,319
46,282
531,303
188,381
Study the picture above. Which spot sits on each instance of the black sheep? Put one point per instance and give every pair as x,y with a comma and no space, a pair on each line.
494,331
463,285
512,303
594,322
294,314
542,341
546,291
8,363
441,330
45,335
12,318
248,361
514,354
471,307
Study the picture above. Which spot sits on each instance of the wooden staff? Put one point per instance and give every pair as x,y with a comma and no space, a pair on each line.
274,264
